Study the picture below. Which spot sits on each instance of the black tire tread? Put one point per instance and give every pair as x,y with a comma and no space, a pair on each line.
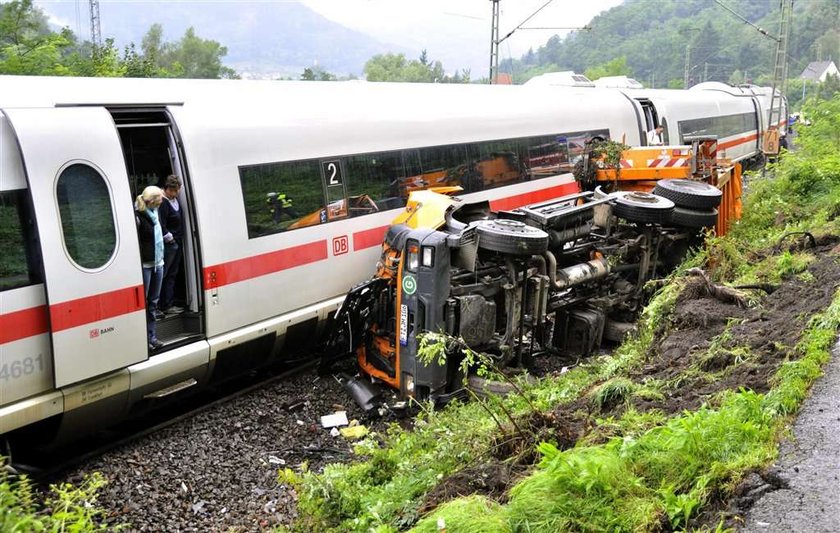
644,215
532,241
691,218
677,192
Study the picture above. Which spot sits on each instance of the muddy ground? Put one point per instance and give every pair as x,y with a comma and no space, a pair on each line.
759,340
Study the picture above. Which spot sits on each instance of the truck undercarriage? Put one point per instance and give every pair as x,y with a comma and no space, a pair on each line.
560,276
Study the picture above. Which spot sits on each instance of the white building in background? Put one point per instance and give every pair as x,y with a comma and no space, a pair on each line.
819,71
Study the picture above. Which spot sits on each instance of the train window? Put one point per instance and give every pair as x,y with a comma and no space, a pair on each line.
15,269
725,126
282,196
547,156
496,163
441,166
376,182
87,218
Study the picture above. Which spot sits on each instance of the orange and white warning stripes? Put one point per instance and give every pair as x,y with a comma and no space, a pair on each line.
667,162
626,163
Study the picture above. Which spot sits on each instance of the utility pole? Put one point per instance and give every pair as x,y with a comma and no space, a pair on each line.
494,42
95,30
780,73
687,65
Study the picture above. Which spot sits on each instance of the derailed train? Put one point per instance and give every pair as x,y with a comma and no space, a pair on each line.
259,279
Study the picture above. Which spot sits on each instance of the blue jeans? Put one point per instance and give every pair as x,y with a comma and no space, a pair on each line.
171,265
152,281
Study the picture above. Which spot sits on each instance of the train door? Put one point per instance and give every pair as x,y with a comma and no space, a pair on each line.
651,120
152,153
85,219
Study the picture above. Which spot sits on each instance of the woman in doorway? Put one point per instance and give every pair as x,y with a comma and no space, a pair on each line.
151,255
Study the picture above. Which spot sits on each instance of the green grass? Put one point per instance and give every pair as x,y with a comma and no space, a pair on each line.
66,507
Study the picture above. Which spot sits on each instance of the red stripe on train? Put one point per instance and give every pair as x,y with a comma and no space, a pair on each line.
96,308
260,265
532,197
369,238
25,323
736,142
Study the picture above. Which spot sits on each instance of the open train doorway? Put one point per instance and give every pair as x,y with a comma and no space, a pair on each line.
152,154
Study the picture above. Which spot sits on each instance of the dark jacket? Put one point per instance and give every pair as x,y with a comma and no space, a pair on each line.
170,220
146,236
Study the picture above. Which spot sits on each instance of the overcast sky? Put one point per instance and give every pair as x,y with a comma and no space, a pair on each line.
426,23
456,32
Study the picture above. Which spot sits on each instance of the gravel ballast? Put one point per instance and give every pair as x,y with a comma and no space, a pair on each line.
218,470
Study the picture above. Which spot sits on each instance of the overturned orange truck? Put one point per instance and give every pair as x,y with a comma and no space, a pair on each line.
556,277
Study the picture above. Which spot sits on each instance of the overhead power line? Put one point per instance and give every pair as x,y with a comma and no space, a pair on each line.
743,19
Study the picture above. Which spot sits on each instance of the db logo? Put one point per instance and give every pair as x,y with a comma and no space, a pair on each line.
94,333
341,245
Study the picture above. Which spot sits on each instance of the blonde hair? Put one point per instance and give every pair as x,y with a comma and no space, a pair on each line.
150,194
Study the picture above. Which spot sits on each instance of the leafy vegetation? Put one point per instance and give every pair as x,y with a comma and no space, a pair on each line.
651,40
65,508
632,470
395,67
29,47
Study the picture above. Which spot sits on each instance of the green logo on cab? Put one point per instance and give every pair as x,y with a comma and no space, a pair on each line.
409,285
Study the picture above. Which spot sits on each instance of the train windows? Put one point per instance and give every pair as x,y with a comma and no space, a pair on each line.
87,219
496,163
282,196
441,166
547,156
15,266
375,182
286,196
725,126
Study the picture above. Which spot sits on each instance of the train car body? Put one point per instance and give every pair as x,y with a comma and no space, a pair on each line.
738,116
260,275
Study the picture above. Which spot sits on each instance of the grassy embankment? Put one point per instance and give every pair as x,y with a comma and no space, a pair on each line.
628,468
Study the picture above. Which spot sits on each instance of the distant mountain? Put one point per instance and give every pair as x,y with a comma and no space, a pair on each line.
268,39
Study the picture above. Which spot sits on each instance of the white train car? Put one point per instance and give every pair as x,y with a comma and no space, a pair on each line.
259,279
738,116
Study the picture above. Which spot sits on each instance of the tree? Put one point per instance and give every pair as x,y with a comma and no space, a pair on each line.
194,57
27,46
317,74
395,67
616,67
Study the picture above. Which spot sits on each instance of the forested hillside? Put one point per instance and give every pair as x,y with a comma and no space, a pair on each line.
655,36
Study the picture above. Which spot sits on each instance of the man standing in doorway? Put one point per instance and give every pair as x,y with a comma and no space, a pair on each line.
654,136
171,222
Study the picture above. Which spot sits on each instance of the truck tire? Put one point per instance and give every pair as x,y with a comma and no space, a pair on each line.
484,388
689,193
690,218
511,237
616,331
643,207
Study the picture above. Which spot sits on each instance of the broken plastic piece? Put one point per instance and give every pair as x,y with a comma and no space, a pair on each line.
354,432
338,418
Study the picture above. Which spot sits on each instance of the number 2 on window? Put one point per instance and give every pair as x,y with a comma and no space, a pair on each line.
332,172
333,169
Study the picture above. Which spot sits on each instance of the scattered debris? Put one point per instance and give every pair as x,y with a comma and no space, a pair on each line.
338,418
354,432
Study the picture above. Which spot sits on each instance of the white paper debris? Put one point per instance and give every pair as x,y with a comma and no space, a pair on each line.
338,418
